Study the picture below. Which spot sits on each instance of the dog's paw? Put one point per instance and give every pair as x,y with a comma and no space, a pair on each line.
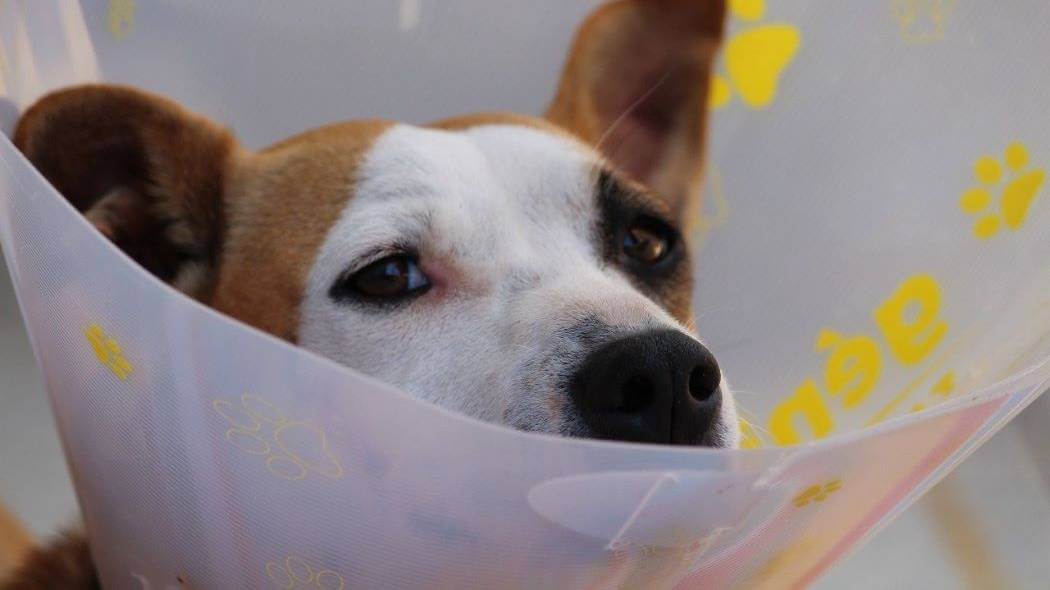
754,58
993,206
291,448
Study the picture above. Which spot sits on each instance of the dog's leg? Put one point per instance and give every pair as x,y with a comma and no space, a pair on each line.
15,542
64,563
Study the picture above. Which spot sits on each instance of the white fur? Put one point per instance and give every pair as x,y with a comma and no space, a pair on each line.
502,217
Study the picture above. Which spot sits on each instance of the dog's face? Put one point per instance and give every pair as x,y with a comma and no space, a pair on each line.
531,272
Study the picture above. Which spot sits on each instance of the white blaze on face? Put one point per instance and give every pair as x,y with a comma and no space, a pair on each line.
503,219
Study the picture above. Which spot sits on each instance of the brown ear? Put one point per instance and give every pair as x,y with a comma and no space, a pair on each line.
144,171
635,86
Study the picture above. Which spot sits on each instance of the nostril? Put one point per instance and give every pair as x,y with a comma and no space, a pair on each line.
659,386
635,394
703,382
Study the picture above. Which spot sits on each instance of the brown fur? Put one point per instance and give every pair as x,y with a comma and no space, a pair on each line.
314,176
463,122
635,86
15,542
65,563
140,166
160,165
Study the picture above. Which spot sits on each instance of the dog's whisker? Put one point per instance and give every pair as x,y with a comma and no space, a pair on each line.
747,392
749,419
755,427
623,116
700,313
690,325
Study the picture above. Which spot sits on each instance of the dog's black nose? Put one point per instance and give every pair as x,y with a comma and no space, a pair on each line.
658,386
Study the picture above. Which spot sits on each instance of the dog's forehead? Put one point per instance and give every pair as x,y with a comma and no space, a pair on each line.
477,187
492,161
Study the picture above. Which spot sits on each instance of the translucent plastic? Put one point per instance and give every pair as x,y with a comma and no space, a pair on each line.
873,278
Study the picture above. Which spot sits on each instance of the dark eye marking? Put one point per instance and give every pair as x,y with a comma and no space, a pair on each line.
391,280
633,233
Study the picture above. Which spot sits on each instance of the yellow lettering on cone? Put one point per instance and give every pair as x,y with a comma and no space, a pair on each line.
912,340
853,368
807,403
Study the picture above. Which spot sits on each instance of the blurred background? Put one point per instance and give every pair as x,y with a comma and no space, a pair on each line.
985,526
980,528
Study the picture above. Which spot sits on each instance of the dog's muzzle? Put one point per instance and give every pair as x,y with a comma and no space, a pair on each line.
658,386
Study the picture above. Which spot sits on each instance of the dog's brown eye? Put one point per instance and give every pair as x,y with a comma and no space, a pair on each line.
390,279
647,241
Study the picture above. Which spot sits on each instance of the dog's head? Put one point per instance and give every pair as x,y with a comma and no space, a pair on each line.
531,272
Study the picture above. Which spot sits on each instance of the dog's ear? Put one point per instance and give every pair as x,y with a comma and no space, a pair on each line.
147,173
635,86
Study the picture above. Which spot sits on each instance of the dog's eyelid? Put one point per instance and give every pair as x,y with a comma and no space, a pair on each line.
647,218
630,195
378,253
388,281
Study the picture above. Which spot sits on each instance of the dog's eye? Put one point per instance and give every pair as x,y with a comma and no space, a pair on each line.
648,240
390,279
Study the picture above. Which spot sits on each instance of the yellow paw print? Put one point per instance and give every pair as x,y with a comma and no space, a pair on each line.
921,21
754,58
816,493
715,211
108,351
121,18
291,448
1016,198
295,572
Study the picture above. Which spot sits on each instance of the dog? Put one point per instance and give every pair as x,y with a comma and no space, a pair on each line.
532,272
